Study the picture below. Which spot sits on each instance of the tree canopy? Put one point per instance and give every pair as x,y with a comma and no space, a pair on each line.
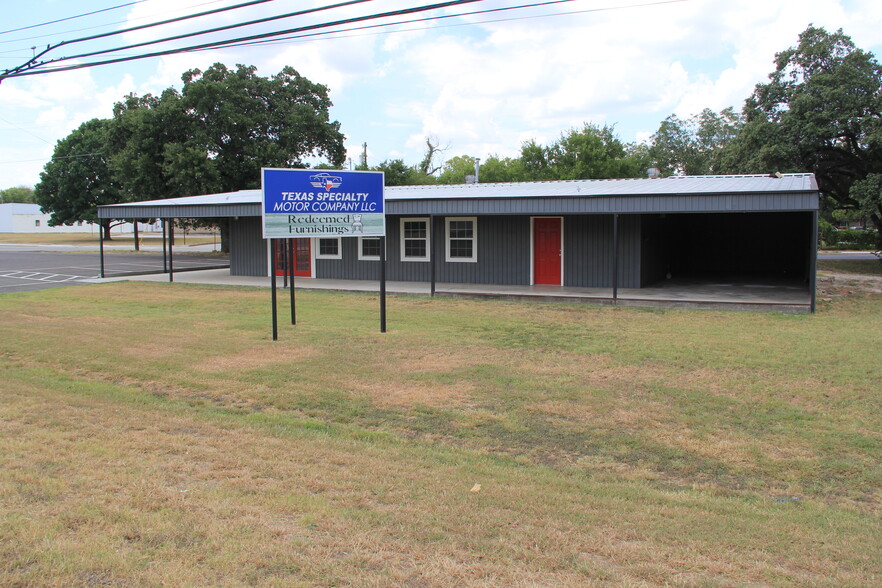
17,194
820,112
212,136
78,177
592,152
398,173
694,146
216,134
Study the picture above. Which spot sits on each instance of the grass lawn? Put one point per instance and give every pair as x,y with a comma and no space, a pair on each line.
153,433
854,266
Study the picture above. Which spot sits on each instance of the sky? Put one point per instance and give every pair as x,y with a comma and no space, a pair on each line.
478,85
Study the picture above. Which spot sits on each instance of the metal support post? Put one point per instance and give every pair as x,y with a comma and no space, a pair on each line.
273,289
291,266
101,247
432,254
615,268
382,284
171,249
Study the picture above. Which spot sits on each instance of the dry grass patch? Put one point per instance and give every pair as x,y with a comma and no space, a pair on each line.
276,355
409,395
613,446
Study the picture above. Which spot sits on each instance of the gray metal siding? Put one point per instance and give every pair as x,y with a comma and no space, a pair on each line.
629,251
503,246
248,252
406,271
679,203
588,251
503,252
349,267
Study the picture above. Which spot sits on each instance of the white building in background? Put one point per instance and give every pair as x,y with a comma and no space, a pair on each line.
28,218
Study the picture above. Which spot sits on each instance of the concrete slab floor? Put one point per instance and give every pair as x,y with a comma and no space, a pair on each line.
781,296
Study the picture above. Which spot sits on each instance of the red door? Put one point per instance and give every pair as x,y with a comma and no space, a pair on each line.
546,251
302,258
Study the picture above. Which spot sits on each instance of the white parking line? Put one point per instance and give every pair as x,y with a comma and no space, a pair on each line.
40,277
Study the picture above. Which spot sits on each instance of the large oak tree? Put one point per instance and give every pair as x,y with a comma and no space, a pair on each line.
212,136
78,177
821,111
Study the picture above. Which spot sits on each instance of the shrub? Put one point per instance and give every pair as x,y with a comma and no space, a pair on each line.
858,239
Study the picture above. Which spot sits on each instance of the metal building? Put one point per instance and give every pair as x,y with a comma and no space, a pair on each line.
629,233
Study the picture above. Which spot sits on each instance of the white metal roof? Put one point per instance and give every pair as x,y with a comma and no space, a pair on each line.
624,187
733,184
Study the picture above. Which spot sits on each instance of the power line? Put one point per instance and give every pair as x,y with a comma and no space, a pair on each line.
24,130
180,19
328,34
30,63
30,68
198,33
52,22
274,37
108,24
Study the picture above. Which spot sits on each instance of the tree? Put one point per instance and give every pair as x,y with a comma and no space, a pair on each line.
398,173
494,170
78,178
144,139
819,112
693,146
427,166
591,152
17,194
455,169
216,134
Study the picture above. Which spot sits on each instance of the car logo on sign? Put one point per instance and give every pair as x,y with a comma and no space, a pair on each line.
325,180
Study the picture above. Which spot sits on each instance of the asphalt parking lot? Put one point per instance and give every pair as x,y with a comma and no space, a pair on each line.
25,269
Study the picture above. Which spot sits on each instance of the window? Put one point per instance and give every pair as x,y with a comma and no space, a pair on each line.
415,239
37,223
329,248
369,248
462,238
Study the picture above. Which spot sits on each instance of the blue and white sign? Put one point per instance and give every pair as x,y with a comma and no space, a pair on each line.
322,203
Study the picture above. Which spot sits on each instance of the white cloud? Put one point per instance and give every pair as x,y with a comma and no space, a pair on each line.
481,89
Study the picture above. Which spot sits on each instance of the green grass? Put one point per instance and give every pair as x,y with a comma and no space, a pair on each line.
871,267
154,433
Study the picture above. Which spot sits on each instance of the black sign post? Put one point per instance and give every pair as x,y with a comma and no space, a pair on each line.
292,265
382,284
273,247
171,249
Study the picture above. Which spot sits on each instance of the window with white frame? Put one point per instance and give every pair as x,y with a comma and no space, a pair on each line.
415,239
328,248
461,239
369,248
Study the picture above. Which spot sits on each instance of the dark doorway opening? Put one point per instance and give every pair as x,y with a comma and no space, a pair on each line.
762,248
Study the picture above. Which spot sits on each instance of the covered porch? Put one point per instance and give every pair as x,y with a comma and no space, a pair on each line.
783,296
